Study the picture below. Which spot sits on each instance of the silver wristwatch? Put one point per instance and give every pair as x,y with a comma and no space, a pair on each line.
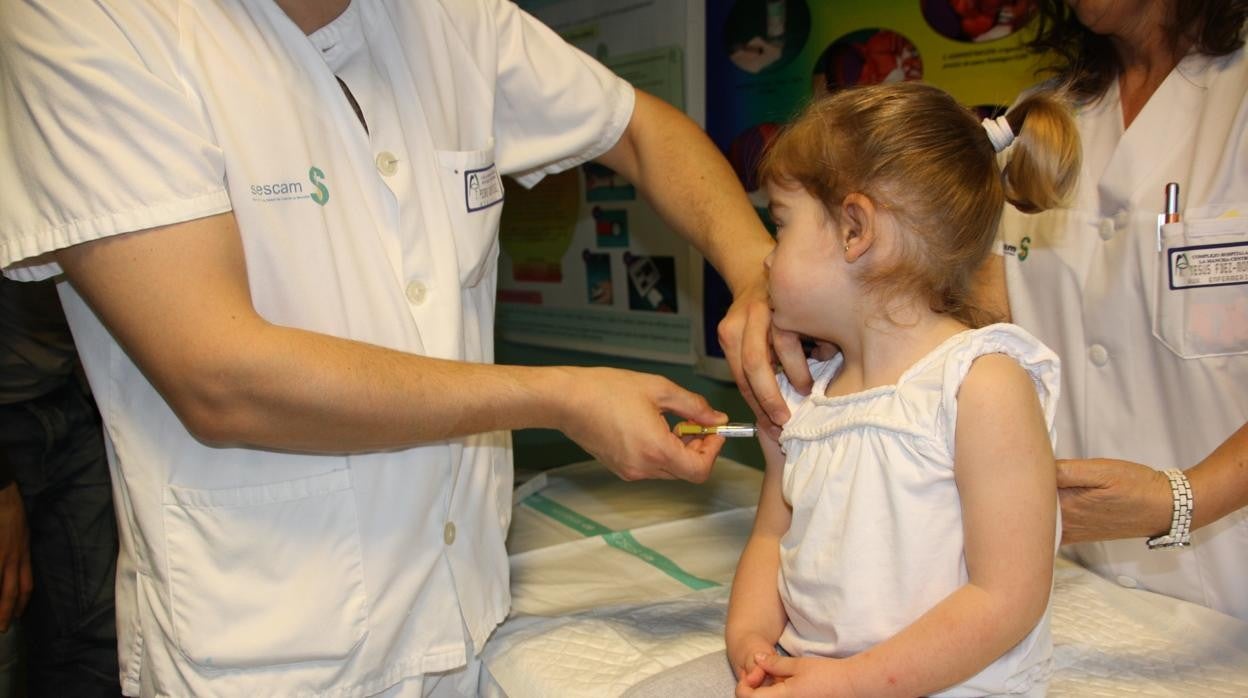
1180,533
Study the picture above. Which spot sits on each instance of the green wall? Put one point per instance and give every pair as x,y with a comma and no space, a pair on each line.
538,449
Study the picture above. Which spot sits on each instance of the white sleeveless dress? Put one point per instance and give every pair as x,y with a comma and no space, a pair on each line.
876,534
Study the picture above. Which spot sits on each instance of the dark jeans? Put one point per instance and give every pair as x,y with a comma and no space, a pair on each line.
57,449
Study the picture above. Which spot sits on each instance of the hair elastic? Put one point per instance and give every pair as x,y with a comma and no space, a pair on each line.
999,132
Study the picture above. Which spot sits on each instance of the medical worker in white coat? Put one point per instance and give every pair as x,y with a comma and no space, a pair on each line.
278,222
1149,317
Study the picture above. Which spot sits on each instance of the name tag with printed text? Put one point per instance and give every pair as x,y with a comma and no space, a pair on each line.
483,188
1202,266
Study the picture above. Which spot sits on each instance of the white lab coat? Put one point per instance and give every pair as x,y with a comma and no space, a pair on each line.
247,572
1155,363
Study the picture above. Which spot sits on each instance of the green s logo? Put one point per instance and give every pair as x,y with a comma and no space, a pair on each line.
1023,245
321,195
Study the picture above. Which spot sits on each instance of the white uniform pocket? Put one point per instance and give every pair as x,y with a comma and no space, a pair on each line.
473,190
266,574
1201,288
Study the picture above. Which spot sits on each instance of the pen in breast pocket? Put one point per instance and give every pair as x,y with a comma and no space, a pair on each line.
731,429
1170,212
1172,202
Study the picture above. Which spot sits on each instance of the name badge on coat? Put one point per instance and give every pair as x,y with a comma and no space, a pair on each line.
482,188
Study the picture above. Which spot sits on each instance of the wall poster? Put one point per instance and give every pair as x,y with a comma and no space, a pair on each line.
584,262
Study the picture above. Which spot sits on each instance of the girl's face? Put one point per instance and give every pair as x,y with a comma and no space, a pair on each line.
807,273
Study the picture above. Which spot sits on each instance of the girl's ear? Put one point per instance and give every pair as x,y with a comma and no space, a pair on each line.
860,216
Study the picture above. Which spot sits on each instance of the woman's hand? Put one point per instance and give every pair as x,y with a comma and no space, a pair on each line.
753,346
1105,499
618,417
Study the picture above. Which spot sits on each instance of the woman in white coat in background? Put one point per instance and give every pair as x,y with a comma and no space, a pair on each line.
1150,320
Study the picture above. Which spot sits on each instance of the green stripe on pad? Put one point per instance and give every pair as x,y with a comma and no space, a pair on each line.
620,540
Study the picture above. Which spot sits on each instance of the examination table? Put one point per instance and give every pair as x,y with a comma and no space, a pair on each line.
621,589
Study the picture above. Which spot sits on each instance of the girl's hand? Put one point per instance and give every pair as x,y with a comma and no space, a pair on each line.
742,653
799,677
753,675
751,680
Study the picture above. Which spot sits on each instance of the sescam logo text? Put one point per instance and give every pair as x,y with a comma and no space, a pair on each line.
290,191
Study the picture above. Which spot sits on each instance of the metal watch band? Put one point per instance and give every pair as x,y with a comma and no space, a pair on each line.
1180,533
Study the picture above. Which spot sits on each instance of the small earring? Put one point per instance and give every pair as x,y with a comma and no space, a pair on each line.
846,247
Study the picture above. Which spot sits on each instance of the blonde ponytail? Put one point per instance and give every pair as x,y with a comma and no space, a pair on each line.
1043,165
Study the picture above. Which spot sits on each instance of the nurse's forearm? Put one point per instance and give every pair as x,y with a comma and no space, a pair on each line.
177,299
687,180
314,393
301,391
1220,481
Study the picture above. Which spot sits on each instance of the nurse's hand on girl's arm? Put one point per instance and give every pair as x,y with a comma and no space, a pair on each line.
1106,499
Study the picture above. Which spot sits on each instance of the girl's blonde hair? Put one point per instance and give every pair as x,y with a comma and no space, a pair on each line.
918,154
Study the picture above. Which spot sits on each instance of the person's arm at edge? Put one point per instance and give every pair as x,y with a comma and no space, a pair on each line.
16,581
1220,481
687,180
756,614
1111,499
177,300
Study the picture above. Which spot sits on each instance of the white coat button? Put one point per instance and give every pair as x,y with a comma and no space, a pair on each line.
448,533
1127,582
1107,229
416,292
387,163
1098,354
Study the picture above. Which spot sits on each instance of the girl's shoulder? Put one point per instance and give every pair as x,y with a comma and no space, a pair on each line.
1010,348
952,359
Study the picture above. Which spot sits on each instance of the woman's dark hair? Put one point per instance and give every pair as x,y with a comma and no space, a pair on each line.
1086,63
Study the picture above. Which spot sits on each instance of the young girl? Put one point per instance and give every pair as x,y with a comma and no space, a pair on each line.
905,535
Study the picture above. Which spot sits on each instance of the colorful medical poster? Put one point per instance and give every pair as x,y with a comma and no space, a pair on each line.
585,263
765,59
